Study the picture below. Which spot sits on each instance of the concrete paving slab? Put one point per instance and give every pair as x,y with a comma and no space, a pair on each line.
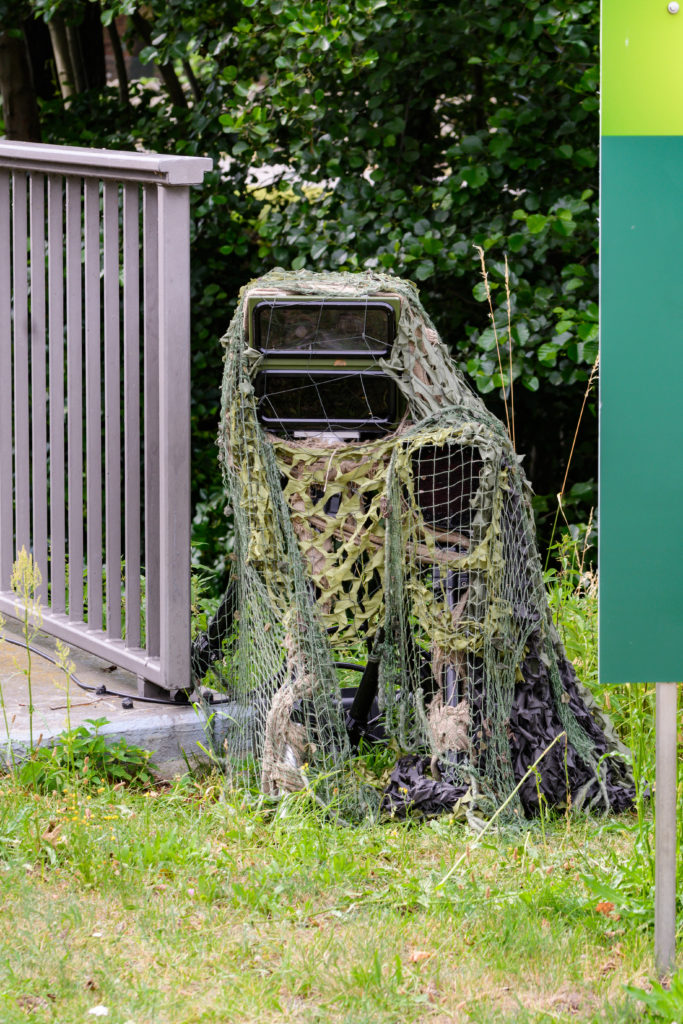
171,732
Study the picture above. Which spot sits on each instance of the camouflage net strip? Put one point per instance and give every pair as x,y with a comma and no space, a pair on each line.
418,547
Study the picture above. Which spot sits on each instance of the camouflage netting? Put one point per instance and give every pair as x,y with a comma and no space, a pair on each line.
411,553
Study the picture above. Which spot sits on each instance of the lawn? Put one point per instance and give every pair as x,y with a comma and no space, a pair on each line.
185,903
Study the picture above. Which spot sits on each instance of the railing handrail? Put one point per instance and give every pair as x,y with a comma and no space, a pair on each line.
162,168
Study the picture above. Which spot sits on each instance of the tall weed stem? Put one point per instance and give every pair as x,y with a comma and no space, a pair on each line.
10,749
25,583
529,772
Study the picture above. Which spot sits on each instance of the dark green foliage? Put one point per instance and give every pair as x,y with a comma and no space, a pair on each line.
83,756
395,135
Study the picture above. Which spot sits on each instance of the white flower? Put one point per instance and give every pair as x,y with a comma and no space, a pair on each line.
99,1011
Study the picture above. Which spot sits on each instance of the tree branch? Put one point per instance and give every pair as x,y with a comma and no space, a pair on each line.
167,72
192,79
121,72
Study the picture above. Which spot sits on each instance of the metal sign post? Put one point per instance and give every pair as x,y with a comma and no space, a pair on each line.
641,368
665,824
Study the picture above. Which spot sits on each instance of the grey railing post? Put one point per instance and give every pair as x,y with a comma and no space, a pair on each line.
174,435
6,487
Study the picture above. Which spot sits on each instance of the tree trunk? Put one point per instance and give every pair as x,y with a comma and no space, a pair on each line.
19,105
60,48
192,79
121,72
171,81
76,56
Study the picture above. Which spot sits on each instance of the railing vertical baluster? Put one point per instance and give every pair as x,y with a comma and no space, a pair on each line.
55,245
74,311
22,465
151,413
112,407
6,474
38,381
93,403
174,434
131,407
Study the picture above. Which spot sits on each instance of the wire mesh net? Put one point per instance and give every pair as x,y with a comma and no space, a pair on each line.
386,590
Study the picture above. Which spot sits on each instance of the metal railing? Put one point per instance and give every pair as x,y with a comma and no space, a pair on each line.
95,398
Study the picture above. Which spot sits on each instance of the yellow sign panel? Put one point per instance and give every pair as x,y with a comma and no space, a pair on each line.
642,67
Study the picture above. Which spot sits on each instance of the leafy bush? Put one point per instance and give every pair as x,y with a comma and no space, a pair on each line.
83,756
390,134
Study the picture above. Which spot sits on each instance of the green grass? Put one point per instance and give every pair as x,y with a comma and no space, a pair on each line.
185,904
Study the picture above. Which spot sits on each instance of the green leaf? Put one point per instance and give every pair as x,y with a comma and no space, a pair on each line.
424,270
475,176
487,340
547,354
536,222
575,351
499,144
667,1003
432,245
564,227
587,332
520,332
472,144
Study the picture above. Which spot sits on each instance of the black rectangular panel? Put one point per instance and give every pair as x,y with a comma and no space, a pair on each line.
326,400
324,328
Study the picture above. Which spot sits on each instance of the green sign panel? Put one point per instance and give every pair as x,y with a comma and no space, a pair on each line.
641,361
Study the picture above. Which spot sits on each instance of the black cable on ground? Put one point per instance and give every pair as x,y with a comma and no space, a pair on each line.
102,691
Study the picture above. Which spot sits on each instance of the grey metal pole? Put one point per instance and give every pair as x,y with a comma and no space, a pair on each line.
665,827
